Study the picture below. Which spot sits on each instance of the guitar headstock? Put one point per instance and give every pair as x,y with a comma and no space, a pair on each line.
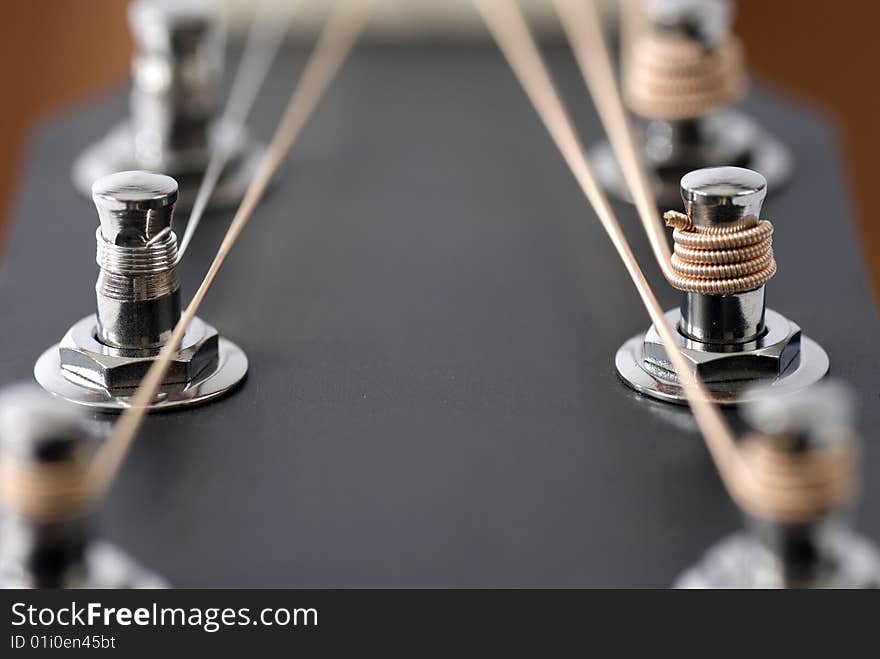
428,315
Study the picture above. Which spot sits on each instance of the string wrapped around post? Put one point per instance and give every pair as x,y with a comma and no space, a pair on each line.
721,260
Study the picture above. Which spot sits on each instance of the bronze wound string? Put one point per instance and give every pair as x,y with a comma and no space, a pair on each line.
580,22
763,481
507,24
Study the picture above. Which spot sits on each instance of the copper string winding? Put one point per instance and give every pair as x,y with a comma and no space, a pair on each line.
673,77
720,260
795,487
45,492
762,477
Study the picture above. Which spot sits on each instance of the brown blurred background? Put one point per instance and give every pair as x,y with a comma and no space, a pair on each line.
55,52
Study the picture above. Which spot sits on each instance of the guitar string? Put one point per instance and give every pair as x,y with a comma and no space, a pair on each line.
787,489
764,480
671,76
581,25
710,271
768,482
265,36
343,27
506,23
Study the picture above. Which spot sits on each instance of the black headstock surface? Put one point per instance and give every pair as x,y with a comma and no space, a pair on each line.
431,312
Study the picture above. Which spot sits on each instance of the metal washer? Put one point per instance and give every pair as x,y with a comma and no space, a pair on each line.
740,562
105,567
231,370
811,367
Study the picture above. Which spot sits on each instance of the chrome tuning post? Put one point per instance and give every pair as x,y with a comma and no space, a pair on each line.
723,259
802,459
103,358
683,72
47,538
174,126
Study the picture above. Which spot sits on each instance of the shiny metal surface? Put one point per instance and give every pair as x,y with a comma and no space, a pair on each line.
742,561
490,372
723,319
173,125
810,366
176,71
103,565
768,356
113,153
34,427
136,324
820,552
720,136
720,197
101,360
138,291
85,358
37,430
671,149
674,147
817,416
708,20
231,369
729,341
134,207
